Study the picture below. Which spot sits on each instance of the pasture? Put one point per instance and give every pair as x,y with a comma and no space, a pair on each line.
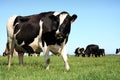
102,68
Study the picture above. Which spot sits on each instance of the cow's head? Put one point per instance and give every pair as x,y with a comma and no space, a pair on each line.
64,27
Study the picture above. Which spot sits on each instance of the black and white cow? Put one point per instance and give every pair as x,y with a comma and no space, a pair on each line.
79,51
117,50
92,49
47,31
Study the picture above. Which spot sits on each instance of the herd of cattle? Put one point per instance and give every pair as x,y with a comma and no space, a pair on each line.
43,32
91,50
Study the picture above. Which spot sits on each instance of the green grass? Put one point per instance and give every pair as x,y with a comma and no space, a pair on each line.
103,68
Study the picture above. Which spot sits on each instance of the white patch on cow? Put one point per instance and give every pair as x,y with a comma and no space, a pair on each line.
23,43
16,24
40,33
56,13
57,49
62,18
16,33
10,27
35,44
41,29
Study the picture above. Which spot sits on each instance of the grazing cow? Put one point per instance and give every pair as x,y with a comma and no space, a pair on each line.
92,49
79,51
101,52
47,31
117,50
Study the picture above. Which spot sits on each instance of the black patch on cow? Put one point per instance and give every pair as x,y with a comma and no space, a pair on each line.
28,49
28,31
65,27
49,29
49,38
117,50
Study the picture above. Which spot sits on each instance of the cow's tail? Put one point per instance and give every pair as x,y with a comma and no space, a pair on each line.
10,26
10,34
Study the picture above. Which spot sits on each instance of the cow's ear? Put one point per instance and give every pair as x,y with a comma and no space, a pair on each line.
73,18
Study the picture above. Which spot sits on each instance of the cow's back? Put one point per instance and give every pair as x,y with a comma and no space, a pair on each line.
28,31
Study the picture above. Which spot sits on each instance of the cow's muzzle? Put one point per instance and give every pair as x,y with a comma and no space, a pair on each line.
59,35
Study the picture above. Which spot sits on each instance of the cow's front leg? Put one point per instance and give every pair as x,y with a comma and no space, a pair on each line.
65,58
20,57
10,47
47,57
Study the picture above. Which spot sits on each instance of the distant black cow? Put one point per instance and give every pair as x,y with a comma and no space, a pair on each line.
92,49
43,32
101,52
117,50
79,51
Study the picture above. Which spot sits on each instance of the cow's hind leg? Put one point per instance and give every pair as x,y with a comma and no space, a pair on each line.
10,55
10,46
20,57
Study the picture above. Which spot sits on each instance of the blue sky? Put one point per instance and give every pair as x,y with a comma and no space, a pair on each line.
98,21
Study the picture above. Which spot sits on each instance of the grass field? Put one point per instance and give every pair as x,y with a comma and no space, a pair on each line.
103,68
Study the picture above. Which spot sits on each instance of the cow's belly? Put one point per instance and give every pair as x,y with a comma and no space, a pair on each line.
31,48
